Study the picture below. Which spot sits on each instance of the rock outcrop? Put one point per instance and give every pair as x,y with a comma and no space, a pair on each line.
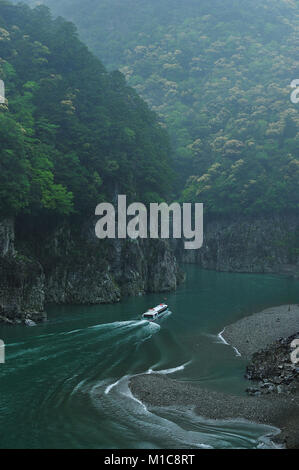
272,370
70,265
21,281
263,244
82,269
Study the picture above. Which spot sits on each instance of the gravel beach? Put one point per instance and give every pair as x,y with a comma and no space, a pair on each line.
259,330
248,335
281,412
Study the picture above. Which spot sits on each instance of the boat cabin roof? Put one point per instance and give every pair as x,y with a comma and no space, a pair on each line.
153,311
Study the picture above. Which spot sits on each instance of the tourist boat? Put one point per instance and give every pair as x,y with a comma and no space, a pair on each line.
155,313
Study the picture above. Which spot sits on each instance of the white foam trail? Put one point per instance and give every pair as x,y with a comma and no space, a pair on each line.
117,324
147,422
237,352
125,390
78,386
225,342
221,337
72,332
122,326
111,386
128,393
180,435
149,371
170,371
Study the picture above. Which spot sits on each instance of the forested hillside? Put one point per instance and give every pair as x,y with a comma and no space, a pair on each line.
71,133
218,74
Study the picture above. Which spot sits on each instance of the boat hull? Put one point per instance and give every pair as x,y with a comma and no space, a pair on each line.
155,314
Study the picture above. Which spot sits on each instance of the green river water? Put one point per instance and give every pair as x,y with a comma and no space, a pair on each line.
65,383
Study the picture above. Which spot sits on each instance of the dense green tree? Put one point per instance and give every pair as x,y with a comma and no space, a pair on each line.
71,134
218,73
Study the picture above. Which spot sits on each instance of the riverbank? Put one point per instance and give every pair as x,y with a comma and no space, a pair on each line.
249,336
257,331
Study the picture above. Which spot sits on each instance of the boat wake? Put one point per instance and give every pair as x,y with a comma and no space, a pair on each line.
88,372
174,427
126,410
223,340
168,371
149,371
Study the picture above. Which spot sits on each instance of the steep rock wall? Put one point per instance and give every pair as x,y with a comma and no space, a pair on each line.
69,265
268,244
21,281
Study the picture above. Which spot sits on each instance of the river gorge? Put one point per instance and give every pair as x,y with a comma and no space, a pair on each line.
65,382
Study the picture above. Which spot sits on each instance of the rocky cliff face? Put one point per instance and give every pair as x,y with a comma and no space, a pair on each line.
100,271
249,244
21,281
72,266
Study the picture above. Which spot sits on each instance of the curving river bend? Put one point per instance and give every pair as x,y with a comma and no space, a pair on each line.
65,382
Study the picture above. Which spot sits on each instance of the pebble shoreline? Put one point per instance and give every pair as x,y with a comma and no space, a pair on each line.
249,335
257,331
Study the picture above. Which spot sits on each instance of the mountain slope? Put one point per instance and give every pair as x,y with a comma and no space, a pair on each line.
218,72
71,136
71,132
